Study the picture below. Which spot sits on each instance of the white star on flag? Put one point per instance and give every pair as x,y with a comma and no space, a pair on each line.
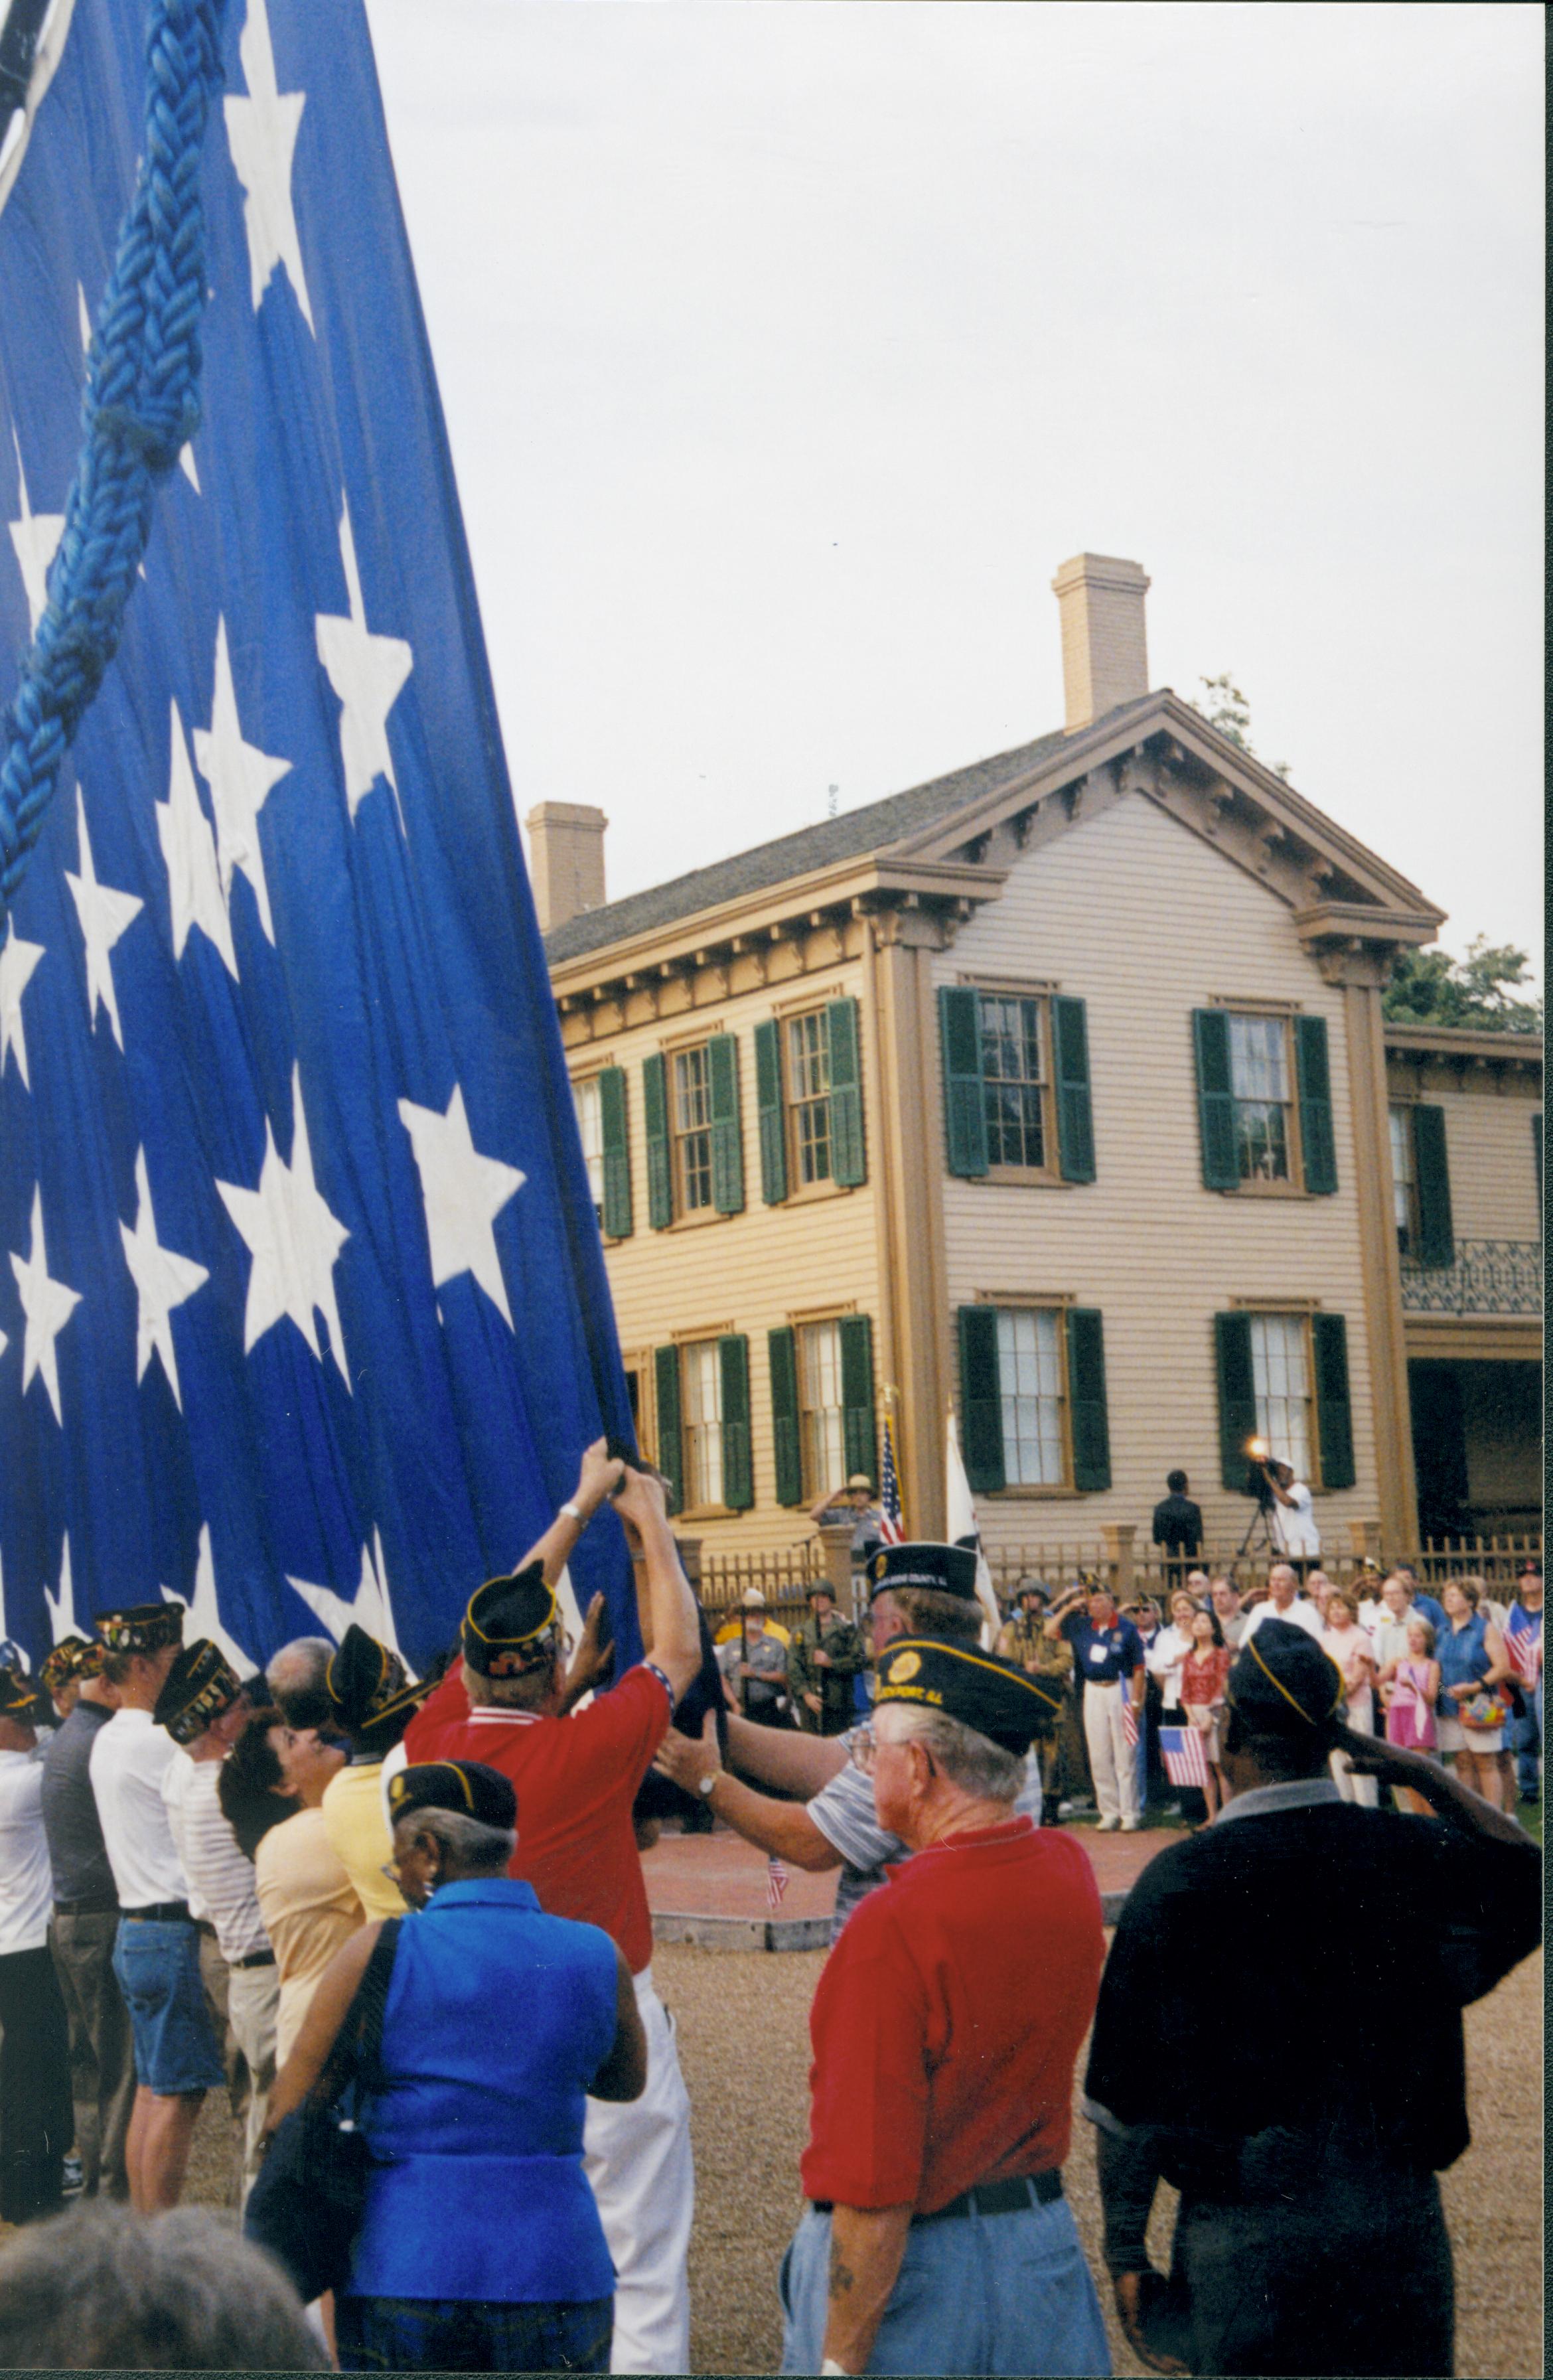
240,778
62,1607
463,1193
188,854
103,917
17,960
162,1281
35,537
367,672
204,1612
293,1240
369,1609
47,1304
261,133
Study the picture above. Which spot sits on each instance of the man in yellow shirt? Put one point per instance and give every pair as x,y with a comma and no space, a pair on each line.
372,1699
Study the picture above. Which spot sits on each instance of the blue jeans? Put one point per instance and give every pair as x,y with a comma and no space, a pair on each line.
1524,1739
986,2293
470,2334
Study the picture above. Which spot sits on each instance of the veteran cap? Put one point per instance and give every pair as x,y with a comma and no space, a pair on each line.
994,1697
507,1622
199,1686
368,1686
467,1787
73,1656
1282,1683
948,1570
20,1698
141,1627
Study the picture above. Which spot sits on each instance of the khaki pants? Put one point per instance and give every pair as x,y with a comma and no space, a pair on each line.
1113,1761
242,2003
102,2047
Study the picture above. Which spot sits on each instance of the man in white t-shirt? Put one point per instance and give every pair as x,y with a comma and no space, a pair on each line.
1294,1515
1284,1602
36,2113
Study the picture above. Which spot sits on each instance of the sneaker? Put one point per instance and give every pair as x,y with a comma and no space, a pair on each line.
1107,1826
75,2177
1130,1826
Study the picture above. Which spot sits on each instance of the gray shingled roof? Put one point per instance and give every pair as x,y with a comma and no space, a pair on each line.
875,827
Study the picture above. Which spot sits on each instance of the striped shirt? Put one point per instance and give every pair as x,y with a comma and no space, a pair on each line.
221,1884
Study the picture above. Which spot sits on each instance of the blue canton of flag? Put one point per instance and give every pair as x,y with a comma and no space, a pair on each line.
303,1313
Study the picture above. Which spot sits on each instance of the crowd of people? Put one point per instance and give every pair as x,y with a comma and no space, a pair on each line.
206,1880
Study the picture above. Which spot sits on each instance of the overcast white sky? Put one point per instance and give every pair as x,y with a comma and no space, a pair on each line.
787,349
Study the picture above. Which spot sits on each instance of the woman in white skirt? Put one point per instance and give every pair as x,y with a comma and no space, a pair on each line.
1472,1665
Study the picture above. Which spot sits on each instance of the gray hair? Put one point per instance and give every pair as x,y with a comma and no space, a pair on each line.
973,1762
101,2288
468,1840
296,1677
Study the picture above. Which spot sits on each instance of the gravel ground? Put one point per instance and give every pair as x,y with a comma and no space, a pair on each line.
743,2044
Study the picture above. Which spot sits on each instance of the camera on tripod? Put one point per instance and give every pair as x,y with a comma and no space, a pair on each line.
1259,1453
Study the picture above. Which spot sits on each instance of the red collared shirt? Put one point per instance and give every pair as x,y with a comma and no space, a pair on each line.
948,2021
575,1779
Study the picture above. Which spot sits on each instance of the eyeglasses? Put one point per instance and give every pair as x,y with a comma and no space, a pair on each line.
867,1746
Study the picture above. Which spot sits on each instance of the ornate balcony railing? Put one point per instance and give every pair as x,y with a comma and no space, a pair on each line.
1488,1277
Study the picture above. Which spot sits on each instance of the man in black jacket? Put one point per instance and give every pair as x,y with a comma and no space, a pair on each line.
1177,1525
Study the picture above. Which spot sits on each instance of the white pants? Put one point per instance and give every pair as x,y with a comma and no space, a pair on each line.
637,2157
1365,1791
1113,1762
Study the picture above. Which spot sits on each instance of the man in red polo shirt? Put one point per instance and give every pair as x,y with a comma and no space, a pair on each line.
575,1779
945,2028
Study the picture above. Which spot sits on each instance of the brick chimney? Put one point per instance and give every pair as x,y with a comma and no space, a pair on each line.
1104,659
566,860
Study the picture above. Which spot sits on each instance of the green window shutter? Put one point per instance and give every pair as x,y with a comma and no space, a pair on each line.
1334,1415
727,1134
1317,1136
1237,1395
964,1116
1086,1398
768,1103
655,1117
859,1440
670,1442
981,1401
739,1468
1431,1167
617,1153
783,1354
1070,1054
848,1162
1215,1106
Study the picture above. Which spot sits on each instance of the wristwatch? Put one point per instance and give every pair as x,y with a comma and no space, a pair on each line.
706,1785
571,1511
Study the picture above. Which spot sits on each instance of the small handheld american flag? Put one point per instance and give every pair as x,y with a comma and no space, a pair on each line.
1524,1648
776,1882
1184,1751
891,1524
1129,1723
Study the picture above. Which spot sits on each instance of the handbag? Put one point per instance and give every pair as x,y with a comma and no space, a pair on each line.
307,2199
1485,1711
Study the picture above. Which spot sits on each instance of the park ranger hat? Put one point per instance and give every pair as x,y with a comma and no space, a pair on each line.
1282,1683
947,1570
467,1787
993,1698
369,1688
141,1627
200,1685
73,1656
506,1628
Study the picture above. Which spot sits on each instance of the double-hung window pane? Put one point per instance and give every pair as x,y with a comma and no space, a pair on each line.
1013,1080
590,1124
808,1095
693,1129
1283,1383
820,1398
1030,1376
1402,1174
701,1382
1259,1079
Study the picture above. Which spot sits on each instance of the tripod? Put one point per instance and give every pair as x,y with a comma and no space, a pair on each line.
1258,1532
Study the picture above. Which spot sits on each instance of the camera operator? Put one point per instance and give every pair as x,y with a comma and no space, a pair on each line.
1291,1513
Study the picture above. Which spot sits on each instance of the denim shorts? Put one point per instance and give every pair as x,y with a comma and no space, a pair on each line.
158,1969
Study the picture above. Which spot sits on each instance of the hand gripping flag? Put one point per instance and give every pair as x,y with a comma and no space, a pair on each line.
303,1313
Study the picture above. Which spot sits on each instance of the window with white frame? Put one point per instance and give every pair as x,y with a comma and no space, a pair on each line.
808,1097
1280,1370
700,1373
588,1100
1014,1080
1260,1079
692,1130
1030,1379
819,1408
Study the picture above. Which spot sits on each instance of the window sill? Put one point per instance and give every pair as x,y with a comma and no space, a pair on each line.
696,1223
812,1190
706,1513
1021,1177
1039,1495
1267,1190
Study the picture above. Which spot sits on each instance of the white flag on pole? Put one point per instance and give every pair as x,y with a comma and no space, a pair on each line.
962,1528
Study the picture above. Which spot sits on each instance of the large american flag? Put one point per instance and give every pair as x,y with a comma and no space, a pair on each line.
303,1314
891,1522
1184,1751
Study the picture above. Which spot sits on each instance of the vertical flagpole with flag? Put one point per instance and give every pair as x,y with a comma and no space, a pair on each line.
891,1521
961,1529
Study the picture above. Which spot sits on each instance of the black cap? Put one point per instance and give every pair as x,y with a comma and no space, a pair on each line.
467,1787
141,1627
199,1687
73,1656
370,1688
993,1698
506,1626
947,1570
1282,1683
20,1698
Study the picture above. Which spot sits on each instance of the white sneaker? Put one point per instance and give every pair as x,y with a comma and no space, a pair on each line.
1130,1826
1107,1826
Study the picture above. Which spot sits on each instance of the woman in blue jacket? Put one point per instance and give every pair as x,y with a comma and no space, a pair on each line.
480,2249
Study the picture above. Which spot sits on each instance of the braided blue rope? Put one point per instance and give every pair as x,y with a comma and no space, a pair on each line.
140,406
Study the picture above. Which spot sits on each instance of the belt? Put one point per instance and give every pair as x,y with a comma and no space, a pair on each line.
254,1959
987,2198
159,1912
96,1904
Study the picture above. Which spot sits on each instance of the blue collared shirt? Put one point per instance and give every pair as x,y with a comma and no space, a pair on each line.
1103,1656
